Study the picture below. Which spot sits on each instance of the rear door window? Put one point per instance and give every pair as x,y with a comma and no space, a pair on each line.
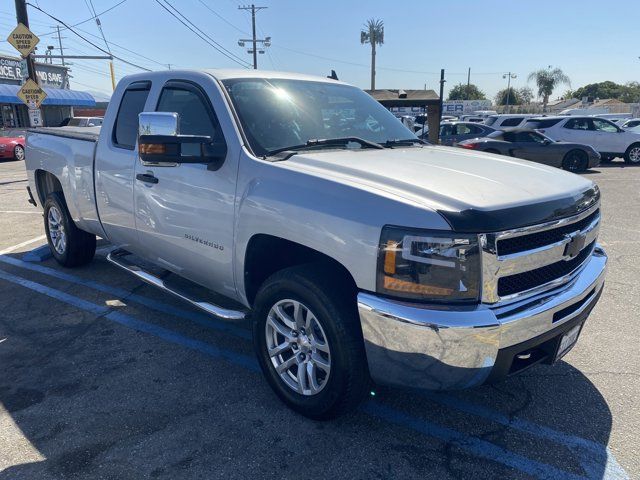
511,122
546,123
125,130
578,124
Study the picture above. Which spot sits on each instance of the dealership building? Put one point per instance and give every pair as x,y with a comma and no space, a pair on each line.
54,80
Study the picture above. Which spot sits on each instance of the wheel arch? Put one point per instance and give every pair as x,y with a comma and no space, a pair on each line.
46,183
267,254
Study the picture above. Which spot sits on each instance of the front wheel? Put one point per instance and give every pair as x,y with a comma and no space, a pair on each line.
308,341
632,155
18,152
70,246
575,161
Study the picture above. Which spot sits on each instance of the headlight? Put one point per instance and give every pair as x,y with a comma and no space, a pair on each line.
428,265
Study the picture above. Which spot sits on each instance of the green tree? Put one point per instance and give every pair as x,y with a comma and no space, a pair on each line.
606,89
631,93
513,97
547,79
464,92
526,94
373,34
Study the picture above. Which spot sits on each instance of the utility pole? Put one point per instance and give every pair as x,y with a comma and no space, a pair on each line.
442,82
23,17
254,40
60,45
468,82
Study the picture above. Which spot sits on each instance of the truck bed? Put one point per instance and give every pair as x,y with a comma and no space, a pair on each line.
89,134
68,154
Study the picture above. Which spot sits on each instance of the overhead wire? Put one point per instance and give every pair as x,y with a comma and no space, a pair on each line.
85,39
219,48
54,32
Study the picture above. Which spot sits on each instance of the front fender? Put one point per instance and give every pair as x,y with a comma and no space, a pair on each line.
338,219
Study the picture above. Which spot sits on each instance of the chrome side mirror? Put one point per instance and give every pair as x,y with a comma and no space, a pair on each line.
158,123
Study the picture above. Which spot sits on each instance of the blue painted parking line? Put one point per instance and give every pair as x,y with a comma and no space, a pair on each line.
463,441
592,455
198,318
474,445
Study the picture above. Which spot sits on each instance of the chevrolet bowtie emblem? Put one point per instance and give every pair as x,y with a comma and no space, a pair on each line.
575,245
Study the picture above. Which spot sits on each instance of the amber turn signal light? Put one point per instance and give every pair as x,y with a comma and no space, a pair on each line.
153,148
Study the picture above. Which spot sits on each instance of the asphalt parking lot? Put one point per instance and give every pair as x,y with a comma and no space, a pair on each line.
102,376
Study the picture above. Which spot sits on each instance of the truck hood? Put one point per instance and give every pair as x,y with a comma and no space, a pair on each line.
491,192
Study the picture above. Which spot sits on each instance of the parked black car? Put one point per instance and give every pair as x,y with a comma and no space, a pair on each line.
534,146
453,132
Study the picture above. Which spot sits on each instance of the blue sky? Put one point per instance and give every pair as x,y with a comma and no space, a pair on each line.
590,40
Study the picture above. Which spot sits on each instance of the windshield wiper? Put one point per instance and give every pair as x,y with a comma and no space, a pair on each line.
325,142
407,141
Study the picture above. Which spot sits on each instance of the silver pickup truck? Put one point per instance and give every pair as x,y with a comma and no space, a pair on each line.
358,251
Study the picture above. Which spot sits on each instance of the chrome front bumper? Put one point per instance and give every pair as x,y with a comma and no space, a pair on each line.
442,348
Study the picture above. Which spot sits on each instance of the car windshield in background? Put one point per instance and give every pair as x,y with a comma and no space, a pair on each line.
280,113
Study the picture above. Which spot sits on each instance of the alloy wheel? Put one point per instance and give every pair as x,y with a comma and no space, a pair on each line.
297,347
18,152
56,230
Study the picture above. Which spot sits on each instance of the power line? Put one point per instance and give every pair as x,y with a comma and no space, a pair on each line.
88,41
88,19
219,48
98,23
356,64
222,18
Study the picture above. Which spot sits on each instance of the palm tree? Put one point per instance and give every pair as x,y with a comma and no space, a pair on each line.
373,33
547,80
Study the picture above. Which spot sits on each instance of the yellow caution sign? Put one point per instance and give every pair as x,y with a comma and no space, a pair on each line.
32,94
23,40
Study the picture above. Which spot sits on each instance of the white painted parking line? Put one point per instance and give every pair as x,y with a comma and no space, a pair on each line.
28,212
27,242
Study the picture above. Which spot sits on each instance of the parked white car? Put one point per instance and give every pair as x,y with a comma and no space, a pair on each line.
630,123
603,135
507,120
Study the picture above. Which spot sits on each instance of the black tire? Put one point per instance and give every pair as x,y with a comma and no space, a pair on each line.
632,155
78,247
333,303
575,161
18,152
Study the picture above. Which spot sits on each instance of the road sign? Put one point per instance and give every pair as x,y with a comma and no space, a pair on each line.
35,117
23,39
31,94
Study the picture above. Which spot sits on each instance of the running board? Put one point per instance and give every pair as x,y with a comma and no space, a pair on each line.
117,257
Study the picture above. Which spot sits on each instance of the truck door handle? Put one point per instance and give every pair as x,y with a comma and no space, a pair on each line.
146,177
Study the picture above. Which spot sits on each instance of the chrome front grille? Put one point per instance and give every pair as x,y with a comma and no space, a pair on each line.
525,261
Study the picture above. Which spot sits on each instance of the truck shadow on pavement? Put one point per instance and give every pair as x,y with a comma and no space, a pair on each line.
95,398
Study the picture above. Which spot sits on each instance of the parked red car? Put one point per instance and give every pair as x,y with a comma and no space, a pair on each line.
11,147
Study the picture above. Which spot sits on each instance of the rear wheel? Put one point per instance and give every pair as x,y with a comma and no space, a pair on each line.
18,152
632,155
308,341
70,246
575,161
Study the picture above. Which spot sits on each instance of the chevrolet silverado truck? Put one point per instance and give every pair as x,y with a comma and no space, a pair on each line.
358,252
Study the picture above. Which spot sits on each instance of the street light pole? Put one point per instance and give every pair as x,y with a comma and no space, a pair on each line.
509,76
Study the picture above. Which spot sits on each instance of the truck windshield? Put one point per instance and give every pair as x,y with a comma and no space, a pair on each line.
279,113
